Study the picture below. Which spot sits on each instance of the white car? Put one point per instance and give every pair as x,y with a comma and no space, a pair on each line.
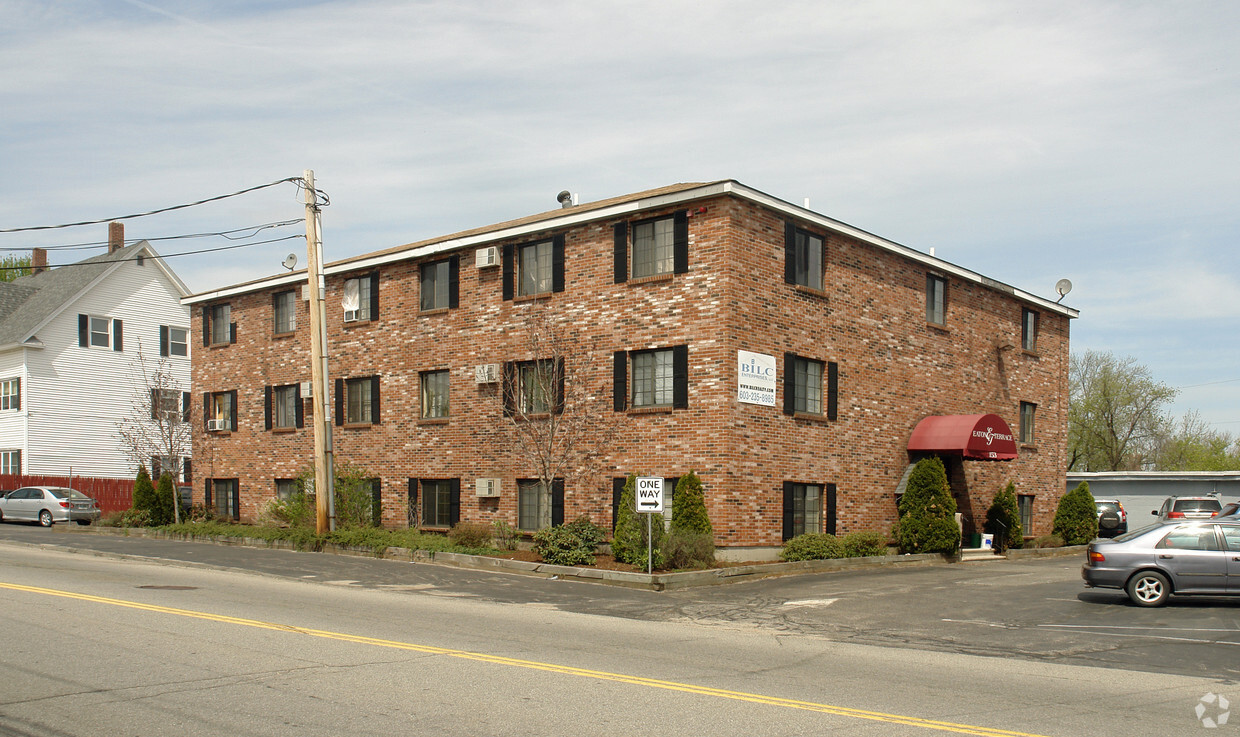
48,504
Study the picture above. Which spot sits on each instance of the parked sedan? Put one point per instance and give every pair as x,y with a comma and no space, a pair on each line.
48,504
1175,557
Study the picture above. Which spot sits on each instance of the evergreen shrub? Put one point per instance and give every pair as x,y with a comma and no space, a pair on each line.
927,511
1076,519
1003,520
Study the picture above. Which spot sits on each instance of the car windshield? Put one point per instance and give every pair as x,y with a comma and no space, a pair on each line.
1134,534
1107,507
61,493
1197,505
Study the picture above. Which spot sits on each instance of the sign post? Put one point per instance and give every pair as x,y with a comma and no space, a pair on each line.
649,498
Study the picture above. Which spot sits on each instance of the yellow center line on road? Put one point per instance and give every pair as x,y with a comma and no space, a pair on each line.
547,667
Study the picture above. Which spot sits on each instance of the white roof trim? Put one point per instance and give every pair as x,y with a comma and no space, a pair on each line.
571,218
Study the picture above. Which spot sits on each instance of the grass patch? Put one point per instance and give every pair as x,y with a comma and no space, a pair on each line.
374,538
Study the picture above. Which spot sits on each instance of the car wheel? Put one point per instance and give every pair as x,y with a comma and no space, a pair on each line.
45,518
1149,588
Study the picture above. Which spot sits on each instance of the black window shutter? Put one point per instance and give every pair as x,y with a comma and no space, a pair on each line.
374,400
83,331
508,270
235,493
508,386
118,336
163,340
206,326
339,401
559,385
157,469
833,390
374,296
413,500
680,241
557,263
620,233
788,510
557,502
232,332
680,376
206,493
17,399
267,407
154,404
790,404
454,282
299,407
376,503
206,408
187,469
617,490
185,412
619,380
790,253
235,409
828,504
454,501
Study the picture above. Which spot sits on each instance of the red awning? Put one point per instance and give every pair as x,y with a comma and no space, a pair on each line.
985,437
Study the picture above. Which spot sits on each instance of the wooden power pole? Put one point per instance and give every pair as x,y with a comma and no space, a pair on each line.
324,474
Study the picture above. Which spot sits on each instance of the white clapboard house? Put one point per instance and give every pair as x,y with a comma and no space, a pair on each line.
70,338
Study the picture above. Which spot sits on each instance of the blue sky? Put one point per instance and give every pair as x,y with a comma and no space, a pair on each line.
1028,141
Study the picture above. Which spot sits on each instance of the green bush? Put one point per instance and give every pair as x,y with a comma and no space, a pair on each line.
127,518
1003,520
163,509
505,535
298,510
143,494
573,544
689,550
628,543
689,510
812,546
927,511
470,534
1046,541
1076,519
863,544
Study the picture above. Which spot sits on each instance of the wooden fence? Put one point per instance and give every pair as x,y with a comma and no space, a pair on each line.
113,495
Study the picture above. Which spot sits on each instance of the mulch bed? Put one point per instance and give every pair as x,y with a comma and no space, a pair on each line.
608,563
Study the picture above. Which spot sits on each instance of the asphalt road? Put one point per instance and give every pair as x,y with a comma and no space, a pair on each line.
187,640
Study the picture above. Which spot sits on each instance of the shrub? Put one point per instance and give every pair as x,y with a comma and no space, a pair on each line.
127,518
143,493
1076,519
1003,520
163,509
863,544
355,503
505,535
689,510
689,549
927,511
812,546
298,510
1047,541
573,544
470,534
628,543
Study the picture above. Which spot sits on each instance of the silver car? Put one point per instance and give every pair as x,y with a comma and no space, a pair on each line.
47,505
1175,557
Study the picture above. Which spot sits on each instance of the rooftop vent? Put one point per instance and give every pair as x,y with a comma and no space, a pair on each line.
565,199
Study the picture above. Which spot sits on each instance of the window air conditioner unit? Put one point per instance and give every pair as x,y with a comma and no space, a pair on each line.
486,487
307,389
486,373
485,257
216,425
350,315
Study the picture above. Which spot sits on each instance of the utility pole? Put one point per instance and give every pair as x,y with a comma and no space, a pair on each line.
324,474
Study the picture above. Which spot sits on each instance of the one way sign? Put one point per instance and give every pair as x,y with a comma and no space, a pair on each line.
650,495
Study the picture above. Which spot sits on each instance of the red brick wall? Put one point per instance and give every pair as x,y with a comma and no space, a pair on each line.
894,369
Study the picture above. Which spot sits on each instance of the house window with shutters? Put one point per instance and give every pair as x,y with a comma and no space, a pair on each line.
224,497
96,331
811,387
357,401
10,394
283,407
653,248
533,269
437,503
173,341
361,298
538,506
220,411
652,378
439,285
808,508
804,257
534,387
219,329
284,312
656,379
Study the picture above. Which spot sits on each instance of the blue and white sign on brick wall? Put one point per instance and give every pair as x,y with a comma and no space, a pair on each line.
755,374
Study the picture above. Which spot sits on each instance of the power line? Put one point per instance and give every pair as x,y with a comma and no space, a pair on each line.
1208,383
298,180
164,256
253,230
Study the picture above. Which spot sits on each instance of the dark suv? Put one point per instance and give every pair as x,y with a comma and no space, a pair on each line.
1112,519
1189,507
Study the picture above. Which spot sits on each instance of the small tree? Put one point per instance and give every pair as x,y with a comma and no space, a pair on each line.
144,493
1076,519
165,501
157,429
629,543
691,541
927,511
1003,520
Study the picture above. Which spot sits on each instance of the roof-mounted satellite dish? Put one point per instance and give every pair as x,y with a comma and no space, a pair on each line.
291,260
1063,286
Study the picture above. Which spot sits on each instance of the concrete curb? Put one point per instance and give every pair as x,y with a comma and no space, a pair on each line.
627,579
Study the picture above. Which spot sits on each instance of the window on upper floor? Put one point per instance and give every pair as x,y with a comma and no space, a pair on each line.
1028,330
361,298
651,378
1027,410
936,299
284,312
804,255
10,394
220,411
653,247
95,331
10,462
173,341
357,401
533,269
439,284
283,407
176,466
434,394
533,387
218,327
170,406
804,392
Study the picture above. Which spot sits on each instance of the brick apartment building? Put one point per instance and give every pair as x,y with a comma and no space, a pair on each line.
858,356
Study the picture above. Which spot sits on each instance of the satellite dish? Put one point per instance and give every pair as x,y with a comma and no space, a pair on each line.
291,260
1063,286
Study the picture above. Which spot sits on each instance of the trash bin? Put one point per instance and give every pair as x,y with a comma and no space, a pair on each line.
975,540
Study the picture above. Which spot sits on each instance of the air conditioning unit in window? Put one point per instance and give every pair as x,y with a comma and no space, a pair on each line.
486,373
485,257
488,488
350,315
307,389
216,425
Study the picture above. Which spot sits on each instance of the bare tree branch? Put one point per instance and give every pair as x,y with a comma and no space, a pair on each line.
157,428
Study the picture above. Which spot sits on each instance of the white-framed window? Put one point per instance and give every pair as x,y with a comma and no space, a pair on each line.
100,332
166,405
284,312
221,324
533,505
434,394
222,412
435,286
10,462
534,268
653,378
436,502
1027,410
936,299
1028,329
356,301
284,406
806,505
654,249
807,386
806,253
10,394
173,341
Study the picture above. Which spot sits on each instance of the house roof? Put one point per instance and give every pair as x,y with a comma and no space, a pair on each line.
622,206
29,302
